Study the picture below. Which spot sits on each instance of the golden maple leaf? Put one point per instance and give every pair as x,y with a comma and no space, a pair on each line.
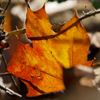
40,66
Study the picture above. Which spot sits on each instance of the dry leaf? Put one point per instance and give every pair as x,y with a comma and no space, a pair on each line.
36,67
40,67
70,48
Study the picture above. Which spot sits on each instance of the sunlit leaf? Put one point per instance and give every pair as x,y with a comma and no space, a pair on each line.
72,47
36,66
40,66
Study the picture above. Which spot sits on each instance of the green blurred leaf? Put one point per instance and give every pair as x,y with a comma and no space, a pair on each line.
96,3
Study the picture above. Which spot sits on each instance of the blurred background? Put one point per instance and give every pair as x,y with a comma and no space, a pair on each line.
59,12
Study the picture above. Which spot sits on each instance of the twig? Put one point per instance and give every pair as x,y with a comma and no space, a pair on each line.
12,78
6,6
97,63
4,74
9,91
91,13
27,3
16,32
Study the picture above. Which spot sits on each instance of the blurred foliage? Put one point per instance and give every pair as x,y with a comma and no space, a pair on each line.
96,3
58,0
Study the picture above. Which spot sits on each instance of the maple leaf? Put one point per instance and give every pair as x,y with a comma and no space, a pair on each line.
36,67
70,48
39,67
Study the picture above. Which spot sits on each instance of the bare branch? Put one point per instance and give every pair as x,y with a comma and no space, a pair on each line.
89,14
27,3
7,6
9,91
4,74
12,77
16,32
96,63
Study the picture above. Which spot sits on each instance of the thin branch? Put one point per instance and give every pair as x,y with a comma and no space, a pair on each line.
16,32
7,6
9,91
4,74
90,13
12,78
97,63
27,3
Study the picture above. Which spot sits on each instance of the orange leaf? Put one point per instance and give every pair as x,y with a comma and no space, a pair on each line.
37,23
36,66
71,48
39,67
